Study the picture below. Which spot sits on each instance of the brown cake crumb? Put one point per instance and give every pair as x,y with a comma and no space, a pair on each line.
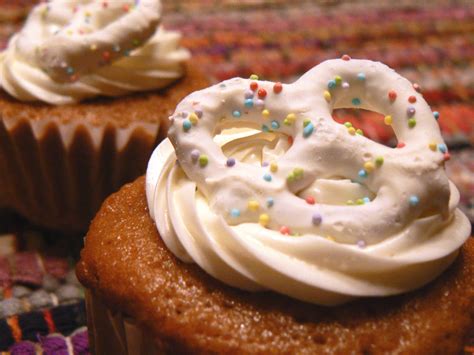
127,265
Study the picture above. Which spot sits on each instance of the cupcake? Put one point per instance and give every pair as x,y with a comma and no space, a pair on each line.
86,89
264,226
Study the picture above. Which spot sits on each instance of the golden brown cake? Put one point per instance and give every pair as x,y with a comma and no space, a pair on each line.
86,91
264,226
61,187
126,266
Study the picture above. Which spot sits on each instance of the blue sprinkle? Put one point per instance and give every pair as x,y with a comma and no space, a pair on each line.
126,52
436,115
70,70
361,76
442,148
187,125
270,201
356,101
275,125
235,212
230,162
308,130
363,173
317,218
414,200
366,200
248,103
267,177
265,128
236,113
331,84
116,48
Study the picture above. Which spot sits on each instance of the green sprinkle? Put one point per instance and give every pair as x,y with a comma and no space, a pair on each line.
411,122
348,124
379,161
306,122
203,160
254,77
360,132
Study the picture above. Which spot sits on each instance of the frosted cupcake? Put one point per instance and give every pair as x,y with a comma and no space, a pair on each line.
265,226
87,87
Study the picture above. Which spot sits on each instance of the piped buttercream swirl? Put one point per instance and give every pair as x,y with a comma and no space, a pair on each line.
305,206
68,51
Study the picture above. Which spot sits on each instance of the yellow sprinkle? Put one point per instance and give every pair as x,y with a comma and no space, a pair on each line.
433,146
349,202
193,118
69,32
291,117
266,113
338,79
253,205
93,47
388,120
273,167
351,130
263,219
331,238
327,96
369,166
254,77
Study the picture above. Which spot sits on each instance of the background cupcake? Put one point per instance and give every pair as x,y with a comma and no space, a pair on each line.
85,89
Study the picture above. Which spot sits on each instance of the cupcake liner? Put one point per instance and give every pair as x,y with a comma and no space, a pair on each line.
57,174
113,333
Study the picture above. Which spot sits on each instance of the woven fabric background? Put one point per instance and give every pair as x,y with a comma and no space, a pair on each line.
429,42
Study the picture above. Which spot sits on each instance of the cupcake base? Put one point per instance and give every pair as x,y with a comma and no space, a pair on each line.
127,267
58,163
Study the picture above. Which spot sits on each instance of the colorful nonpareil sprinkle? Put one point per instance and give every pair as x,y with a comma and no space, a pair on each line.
253,205
413,200
187,125
361,76
284,230
264,219
392,95
277,88
267,177
235,212
310,200
203,160
230,162
236,113
316,218
270,202
195,155
388,120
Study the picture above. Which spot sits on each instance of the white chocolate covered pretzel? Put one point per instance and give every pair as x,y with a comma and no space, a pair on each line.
324,197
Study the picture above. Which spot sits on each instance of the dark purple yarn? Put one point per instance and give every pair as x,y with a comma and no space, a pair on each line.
54,345
23,348
80,343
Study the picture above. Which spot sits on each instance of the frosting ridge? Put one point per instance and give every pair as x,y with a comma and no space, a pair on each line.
297,203
71,50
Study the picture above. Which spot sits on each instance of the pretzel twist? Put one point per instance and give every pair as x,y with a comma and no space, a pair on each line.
321,149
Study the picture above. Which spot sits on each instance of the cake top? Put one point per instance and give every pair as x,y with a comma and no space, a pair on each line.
71,50
269,192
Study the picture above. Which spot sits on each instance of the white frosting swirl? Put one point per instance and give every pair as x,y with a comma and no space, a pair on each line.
404,233
71,50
